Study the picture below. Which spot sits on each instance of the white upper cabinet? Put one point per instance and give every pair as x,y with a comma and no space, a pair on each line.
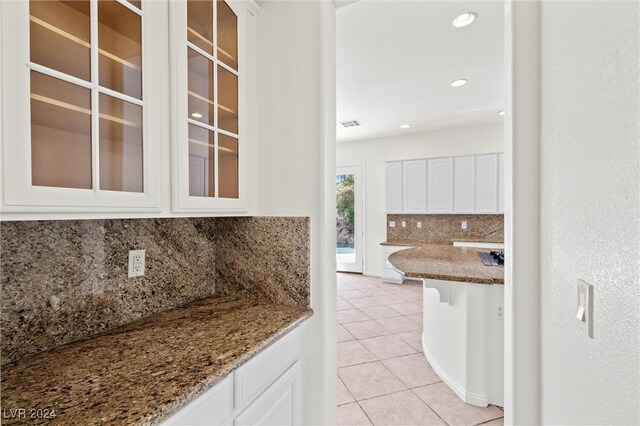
414,194
501,179
487,183
81,101
440,185
209,107
394,187
464,187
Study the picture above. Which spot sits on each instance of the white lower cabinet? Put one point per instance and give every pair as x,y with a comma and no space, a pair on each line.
267,390
280,404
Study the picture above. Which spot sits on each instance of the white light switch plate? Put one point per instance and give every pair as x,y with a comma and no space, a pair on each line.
584,308
136,263
404,223
419,224
464,224
392,224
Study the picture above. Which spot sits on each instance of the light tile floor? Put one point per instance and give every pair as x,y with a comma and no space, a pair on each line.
383,377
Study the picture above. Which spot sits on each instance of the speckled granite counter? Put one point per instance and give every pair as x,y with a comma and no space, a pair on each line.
140,373
415,244
448,263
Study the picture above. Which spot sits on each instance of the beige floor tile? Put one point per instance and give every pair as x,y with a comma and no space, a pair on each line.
417,318
497,422
352,294
352,415
343,394
402,408
412,370
342,286
452,409
343,334
365,329
412,338
372,291
377,312
398,324
343,305
387,346
369,380
391,299
365,302
353,352
407,308
351,315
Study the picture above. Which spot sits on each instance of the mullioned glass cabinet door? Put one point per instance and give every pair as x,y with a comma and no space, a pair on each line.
209,80
81,105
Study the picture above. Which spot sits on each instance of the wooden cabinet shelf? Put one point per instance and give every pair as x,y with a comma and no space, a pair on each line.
225,55
80,42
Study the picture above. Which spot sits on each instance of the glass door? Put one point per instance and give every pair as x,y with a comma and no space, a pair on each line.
349,219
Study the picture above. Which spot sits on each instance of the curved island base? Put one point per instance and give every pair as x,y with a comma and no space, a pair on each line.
463,339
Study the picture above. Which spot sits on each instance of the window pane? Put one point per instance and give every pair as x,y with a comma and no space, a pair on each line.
60,133
136,3
121,151
201,162
227,100
227,35
200,24
201,88
60,36
228,166
120,43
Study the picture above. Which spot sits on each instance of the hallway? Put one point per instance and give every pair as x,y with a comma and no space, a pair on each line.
383,377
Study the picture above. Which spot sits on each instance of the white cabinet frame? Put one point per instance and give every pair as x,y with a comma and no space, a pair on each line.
440,185
414,186
181,200
19,193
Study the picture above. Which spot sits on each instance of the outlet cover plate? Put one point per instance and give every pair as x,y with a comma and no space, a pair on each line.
136,263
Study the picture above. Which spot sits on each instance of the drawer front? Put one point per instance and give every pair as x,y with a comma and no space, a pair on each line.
280,404
214,407
258,374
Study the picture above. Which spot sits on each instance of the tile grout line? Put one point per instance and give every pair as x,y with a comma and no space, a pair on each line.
430,407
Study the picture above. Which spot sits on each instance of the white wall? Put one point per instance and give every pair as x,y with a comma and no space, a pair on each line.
590,210
296,163
372,154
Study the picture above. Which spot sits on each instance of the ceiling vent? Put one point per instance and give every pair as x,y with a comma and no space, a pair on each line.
350,123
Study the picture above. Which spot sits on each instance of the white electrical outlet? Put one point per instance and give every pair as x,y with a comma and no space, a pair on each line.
419,224
136,263
464,224
404,223
392,224
500,312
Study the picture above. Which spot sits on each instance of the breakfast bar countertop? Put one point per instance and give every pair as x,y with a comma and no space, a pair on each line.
142,372
447,263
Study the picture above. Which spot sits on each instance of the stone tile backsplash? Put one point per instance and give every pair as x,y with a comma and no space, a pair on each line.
63,281
444,228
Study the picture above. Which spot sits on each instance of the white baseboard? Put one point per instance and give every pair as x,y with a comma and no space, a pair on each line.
469,397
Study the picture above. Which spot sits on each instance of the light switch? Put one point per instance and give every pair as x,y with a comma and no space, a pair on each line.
392,224
464,224
404,223
584,315
419,224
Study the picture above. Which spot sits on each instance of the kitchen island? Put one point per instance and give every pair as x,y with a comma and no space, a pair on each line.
463,327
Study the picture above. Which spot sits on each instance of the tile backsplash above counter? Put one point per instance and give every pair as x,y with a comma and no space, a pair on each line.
445,228
67,280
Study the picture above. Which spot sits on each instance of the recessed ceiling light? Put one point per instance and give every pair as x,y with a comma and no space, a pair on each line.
196,115
501,112
405,126
458,83
464,19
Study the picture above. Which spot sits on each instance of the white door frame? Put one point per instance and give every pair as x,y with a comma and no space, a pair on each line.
358,172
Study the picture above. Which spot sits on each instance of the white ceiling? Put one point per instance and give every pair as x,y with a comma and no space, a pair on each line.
395,60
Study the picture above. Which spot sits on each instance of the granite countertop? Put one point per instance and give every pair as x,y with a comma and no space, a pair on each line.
416,244
142,372
448,263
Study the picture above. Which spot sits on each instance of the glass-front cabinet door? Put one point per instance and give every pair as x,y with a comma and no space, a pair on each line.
209,80
79,110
